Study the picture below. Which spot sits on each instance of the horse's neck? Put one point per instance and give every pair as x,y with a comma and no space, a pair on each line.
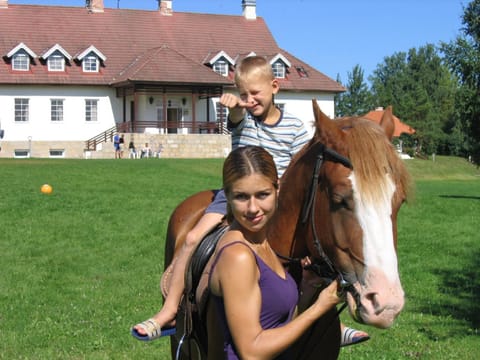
283,226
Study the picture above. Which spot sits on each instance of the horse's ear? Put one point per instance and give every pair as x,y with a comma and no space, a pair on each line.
387,122
326,128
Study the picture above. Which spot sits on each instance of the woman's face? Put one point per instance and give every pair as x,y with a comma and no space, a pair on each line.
253,200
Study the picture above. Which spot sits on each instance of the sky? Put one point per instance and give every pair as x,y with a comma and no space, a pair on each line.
331,35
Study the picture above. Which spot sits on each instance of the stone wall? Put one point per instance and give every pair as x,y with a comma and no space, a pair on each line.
163,145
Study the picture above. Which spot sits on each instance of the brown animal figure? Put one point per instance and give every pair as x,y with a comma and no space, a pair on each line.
338,204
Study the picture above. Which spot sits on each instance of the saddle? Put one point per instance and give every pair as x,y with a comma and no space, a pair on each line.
196,293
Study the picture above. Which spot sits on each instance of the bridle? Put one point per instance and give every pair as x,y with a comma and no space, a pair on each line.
323,266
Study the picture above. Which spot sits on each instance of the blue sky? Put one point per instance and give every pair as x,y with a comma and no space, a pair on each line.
331,35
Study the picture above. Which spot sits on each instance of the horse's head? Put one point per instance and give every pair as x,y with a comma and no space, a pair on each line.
350,183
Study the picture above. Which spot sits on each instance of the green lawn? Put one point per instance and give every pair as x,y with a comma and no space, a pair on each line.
81,266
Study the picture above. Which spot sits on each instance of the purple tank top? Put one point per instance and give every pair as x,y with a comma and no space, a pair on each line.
279,299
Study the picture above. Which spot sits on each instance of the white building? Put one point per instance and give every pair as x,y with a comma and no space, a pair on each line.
73,74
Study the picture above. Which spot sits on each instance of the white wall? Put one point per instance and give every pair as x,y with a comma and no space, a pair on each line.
73,127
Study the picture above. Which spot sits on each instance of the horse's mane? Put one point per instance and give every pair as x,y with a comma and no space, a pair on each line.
371,154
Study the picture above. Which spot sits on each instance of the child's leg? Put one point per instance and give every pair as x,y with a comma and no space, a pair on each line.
166,316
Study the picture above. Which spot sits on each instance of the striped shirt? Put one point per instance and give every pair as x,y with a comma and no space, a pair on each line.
282,140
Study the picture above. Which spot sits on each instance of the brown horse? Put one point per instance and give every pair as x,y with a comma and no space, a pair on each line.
338,203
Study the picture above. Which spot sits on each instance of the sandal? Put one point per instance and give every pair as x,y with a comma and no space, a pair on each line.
351,336
153,331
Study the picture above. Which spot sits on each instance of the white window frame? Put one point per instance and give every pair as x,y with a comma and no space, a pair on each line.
90,63
21,153
21,61
56,62
56,153
278,68
91,110
221,67
56,110
22,107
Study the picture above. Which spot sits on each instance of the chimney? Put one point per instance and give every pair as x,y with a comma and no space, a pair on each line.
3,4
95,6
165,7
249,9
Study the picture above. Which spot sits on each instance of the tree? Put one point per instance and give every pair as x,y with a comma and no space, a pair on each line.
462,56
357,100
421,90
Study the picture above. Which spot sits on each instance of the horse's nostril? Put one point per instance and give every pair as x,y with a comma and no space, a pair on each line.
373,299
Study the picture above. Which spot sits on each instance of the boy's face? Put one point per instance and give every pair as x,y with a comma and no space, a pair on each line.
258,90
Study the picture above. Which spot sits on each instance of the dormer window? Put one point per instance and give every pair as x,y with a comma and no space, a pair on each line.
221,63
280,64
278,68
21,56
56,58
21,61
221,67
56,62
90,59
90,63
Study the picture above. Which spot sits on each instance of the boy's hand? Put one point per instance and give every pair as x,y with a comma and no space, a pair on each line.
236,106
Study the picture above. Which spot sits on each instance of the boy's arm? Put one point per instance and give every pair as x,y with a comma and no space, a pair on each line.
236,108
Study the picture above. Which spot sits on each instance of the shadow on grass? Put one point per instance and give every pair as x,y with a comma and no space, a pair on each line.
458,295
460,197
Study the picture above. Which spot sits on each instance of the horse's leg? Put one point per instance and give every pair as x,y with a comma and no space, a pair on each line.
322,338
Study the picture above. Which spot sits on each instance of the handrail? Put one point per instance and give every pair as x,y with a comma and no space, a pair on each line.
91,144
198,127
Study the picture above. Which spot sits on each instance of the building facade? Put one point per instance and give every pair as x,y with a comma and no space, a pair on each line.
70,77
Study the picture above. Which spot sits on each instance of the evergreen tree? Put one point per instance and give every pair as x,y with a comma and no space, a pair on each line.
357,100
421,91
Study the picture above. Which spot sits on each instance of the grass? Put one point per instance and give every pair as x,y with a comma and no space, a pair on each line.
81,266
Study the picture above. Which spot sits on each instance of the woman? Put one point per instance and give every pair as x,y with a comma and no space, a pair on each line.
255,296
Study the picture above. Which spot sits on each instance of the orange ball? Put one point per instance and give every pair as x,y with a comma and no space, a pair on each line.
46,189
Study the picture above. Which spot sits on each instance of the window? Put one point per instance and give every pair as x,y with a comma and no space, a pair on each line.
278,69
90,63
56,109
21,153
56,62
302,72
57,153
91,109
21,61
222,113
221,67
159,113
21,109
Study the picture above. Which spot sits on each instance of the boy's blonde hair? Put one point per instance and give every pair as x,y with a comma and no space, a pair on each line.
253,64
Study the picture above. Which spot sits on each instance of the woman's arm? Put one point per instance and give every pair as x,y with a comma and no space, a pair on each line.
236,279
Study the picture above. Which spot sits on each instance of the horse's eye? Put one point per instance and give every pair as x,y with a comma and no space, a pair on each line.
341,201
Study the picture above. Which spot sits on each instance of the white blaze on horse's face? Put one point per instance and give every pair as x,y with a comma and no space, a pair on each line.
381,293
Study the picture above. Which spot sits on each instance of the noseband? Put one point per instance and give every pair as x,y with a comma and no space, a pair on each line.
308,211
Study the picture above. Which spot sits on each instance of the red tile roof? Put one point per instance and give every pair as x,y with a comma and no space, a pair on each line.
141,45
400,127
